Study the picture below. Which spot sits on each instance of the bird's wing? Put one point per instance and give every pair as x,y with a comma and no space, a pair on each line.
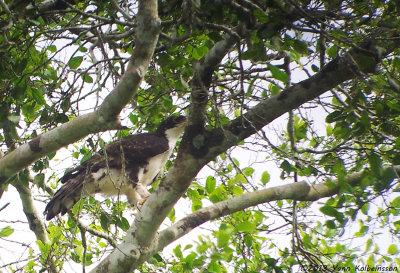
72,190
137,149
65,198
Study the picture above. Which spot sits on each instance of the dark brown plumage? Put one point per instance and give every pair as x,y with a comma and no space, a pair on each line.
126,166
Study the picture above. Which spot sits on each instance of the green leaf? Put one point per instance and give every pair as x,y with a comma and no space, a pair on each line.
275,90
44,248
250,54
52,48
55,233
286,166
214,267
265,177
120,28
82,49
328,210
104,221
330,224
199,52
178,252
392,249
396,202
368,244
248,240
189,259
335,116
20,67
223,237
123,223
66,104
375,163
193,195
261,16
79,250
365,208
278,74
77,208
301,47
363,230
236,190
246,226
394,105
333,51
38,96
238,179
7,231
248,171
210,184
39,180
87,78
397,224
75,62
171,215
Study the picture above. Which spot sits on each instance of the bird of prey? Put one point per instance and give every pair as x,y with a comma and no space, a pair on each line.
126,166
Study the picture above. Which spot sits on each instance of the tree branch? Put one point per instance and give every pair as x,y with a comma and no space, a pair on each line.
203,71
300,191
363,58
34,220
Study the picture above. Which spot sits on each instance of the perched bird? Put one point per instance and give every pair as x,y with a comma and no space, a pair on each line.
126,166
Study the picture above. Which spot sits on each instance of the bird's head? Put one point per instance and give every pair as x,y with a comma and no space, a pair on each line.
173,125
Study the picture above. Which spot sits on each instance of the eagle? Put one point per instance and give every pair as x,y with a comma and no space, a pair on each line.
126,166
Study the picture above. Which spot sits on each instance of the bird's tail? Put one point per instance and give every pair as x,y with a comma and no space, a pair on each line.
64,199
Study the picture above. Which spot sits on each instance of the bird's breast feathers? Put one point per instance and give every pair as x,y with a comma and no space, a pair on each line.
155,165
113,182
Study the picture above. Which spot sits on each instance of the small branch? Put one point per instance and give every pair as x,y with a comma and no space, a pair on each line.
3,207
92,231
84,245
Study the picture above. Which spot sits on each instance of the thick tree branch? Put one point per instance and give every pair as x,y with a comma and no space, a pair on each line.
203,71
300,191
34,219
362,59
106,116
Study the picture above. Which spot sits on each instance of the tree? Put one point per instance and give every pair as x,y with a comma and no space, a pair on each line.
328,69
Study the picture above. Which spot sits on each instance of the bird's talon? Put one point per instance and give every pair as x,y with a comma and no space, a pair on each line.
142,201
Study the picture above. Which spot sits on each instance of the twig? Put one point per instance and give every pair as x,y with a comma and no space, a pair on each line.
3,207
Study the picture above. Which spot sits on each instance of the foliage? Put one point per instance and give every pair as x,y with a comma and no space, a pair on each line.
60,63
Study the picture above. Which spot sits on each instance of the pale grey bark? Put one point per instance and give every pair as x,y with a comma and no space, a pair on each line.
300,191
